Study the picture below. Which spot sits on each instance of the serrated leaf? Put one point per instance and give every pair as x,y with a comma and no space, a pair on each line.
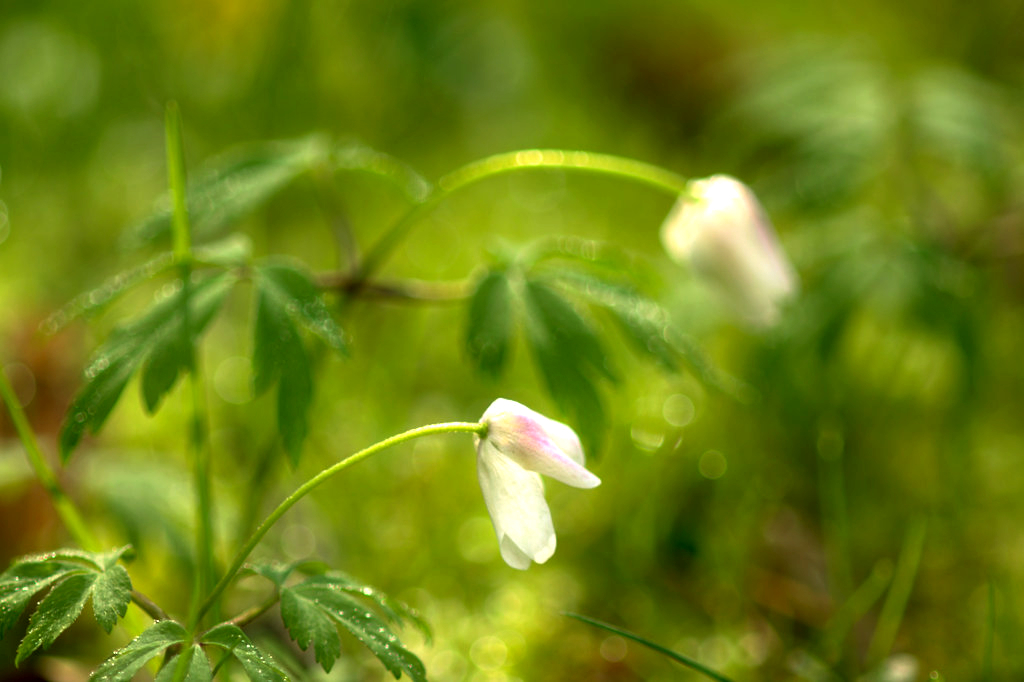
20,583
111,595
142,340
307,624
125,662
233,185
257,664
198,666
396,611
490,323
275,572
314,602
56,612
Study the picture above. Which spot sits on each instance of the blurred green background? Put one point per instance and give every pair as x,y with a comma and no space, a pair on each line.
759,537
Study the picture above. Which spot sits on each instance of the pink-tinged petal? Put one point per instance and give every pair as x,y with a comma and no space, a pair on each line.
537,443
515,502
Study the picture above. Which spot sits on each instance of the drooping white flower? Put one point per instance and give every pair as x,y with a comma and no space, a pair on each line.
519,446
720,230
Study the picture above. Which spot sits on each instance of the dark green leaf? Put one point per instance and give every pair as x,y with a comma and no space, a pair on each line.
125,662
198,666
490,323
157,338
257,664
279,354
111,595
302,300
56,612
312,602
275,573
233,185
570,358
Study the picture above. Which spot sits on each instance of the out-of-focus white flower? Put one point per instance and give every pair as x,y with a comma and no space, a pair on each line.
519,445
720,230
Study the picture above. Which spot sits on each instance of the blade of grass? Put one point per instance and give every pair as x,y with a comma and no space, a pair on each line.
677,657
896,601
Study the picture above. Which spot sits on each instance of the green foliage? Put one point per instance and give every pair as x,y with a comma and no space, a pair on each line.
491,323
314,608
233,185
257,664
125,662
287,300
75,577
160,341
197,662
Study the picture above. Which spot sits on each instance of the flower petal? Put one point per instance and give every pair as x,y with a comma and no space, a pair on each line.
537,443
515,501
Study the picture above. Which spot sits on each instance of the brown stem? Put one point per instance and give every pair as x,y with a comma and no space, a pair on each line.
151,608
413,290
249,615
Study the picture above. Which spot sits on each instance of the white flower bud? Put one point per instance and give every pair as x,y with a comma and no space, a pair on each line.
521,444
720,230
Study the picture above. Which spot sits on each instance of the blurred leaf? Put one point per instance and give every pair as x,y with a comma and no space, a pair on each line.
76,576
285,299
677,657
569,356
313,609
198,666
644,322
96,299
233,185
257,664
125,662
233,250
490,323
157,338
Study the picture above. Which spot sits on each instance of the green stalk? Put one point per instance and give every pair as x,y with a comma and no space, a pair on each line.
300,492
197,431
603,164
899,593
65,507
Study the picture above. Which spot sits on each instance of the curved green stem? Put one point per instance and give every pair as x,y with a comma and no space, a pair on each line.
65,507
305,488
605,164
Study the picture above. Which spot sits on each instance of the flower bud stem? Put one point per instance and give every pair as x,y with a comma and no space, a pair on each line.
499,164
300,492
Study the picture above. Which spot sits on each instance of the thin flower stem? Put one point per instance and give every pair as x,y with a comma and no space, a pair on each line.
305,488
66,509
604,164
197,428
249,615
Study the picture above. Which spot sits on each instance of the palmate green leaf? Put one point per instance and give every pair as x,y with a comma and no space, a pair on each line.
157,340
287,299
257,664
75,576
312,610
569,356
198,666
490,324
233,185
30,575
125,662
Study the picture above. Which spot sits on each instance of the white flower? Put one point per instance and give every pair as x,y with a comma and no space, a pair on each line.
720,230
519,445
